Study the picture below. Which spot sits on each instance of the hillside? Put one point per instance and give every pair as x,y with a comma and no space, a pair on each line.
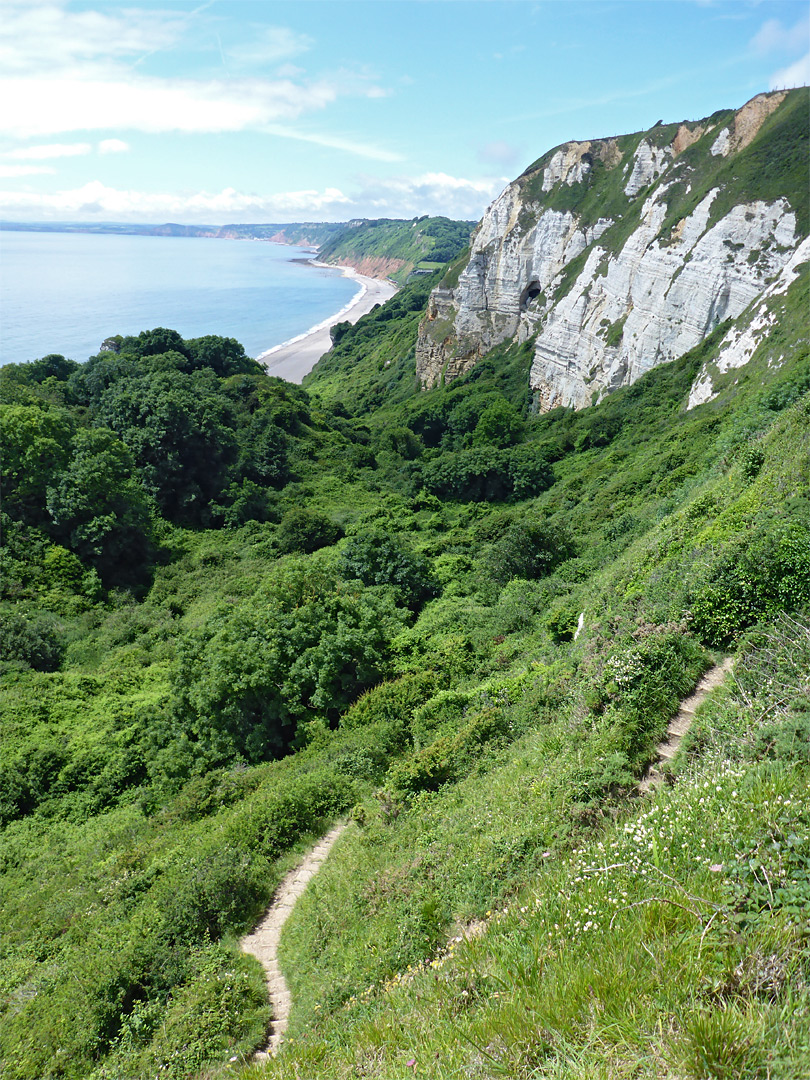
397,249
305,234
618,254
236,611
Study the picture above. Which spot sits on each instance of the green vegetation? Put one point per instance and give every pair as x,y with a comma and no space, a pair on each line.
402,247
235,610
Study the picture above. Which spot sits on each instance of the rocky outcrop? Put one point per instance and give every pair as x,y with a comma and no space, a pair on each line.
607,296
686,137
654,301
502,285
649,162
741,342
746,124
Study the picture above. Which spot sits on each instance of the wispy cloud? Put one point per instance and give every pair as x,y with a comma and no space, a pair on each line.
334,142
8,171
795,74
578,104
49,150
269,45
113,146
398,196
499,152
773,36
71,71
60,105
776,39
41,38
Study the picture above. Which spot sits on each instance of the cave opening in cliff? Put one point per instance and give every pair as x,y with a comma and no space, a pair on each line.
529,294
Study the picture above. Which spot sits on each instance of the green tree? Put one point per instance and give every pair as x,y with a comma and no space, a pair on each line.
500,425
99,509
32,640
307,531
180,429
224,356
376,558
301,650
528,549
36,447
479,474
154,342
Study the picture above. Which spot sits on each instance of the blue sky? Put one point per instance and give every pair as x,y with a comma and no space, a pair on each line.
223,111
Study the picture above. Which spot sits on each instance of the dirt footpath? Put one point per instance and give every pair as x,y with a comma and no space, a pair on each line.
681,722
263,942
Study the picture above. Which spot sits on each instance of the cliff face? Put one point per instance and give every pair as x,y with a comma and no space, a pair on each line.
617,255
374,266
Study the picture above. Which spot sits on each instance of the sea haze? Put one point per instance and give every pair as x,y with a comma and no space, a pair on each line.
66,292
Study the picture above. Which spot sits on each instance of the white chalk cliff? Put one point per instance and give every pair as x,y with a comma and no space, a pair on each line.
648,286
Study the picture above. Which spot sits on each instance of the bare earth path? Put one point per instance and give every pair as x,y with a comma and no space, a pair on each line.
681,722
263,942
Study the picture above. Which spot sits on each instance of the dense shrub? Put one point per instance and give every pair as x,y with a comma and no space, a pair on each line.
180,430
488,474
299,652
36,447
31,640
752,580
376,558
306,531
528,549
100,511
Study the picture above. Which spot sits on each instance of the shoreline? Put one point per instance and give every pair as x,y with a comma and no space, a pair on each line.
294,359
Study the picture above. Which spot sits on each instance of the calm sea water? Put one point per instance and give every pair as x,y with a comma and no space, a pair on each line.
66,292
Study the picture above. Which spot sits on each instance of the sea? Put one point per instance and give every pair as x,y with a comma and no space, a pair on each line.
66,292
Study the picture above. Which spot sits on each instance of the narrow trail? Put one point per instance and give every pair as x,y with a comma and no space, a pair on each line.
681,722
263,942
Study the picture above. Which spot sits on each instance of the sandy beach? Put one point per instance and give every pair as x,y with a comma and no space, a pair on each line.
295,358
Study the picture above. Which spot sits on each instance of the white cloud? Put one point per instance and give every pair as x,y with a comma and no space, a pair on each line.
289,71
113,146
268,45
155,105
77,71
399,196
7,171
796,74
772,36
40,38
335,142
50,150
95,199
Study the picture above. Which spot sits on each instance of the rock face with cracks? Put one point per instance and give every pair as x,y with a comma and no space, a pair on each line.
587,255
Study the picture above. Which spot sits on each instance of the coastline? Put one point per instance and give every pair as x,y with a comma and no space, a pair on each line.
294,359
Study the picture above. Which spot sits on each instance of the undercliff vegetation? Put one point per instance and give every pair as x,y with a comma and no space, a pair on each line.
397,249
235,610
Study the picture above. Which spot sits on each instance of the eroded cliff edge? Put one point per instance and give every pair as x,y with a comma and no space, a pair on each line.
619,254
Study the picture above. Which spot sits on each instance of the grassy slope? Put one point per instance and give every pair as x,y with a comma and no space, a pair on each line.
522,832
495,740
424,243
543,739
